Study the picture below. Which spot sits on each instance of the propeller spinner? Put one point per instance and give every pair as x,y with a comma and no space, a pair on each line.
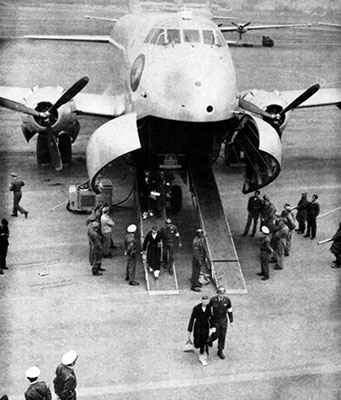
48,118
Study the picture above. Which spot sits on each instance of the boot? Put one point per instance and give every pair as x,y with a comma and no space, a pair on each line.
202,359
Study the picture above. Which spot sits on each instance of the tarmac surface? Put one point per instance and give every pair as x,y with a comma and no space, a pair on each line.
285,343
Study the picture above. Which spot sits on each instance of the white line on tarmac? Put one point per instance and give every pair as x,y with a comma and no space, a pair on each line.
211,380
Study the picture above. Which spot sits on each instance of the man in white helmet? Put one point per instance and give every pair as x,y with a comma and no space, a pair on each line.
65,382
265,253
130,252
36,390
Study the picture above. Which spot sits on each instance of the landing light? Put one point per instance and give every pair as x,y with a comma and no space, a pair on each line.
209,109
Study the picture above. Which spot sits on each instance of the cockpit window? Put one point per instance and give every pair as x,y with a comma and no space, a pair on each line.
219,39
191,36
148,37
208,37
162,39
173,35
212,38
156,35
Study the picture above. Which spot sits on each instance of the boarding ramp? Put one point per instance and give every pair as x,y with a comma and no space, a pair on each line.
166,284
222,255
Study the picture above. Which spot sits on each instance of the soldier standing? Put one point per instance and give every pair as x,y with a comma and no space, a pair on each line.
96,248
130,252
15,187
290,221
107,223
36,390
170,235
220,307
265,254
65,382
267,213
279,240
253,207
313,211
301,215
198,259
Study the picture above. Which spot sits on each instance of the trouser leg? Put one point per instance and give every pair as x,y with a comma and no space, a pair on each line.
195,272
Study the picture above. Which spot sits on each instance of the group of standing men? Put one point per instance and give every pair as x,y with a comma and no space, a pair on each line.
101,242
278,228
64,383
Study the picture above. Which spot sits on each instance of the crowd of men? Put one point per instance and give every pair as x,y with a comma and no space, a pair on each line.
278,228
64,383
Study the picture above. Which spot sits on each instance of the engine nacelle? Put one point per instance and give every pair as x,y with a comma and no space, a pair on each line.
271,102
41,99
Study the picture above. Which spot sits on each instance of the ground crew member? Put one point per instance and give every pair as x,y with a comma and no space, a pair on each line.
301,215
130,252
170,235
65,382
36,390
198,258
265,254
313,211
96,248
220,306
152,246
279,240
290,221
267,213
253,207
107,224
15,187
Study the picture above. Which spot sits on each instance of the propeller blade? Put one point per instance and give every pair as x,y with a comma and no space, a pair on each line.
246,105
302,98
56,159
69,94
16,106
233,23
247,24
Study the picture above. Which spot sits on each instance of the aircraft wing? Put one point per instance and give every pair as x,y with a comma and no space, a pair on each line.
323,97
260,27
83,103
75,38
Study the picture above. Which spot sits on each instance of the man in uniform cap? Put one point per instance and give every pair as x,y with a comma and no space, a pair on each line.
65,382
95,248
265,253
36,390
267,212
130,252
15,187
170,235
301,215
198,258
220,307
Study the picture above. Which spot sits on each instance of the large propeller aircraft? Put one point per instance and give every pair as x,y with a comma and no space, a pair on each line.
242,28
180,98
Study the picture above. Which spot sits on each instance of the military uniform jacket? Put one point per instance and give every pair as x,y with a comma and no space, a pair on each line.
38,391
169,233
130,244
336,246
220,309
95,238
16,186
254,205
65,383
199,249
